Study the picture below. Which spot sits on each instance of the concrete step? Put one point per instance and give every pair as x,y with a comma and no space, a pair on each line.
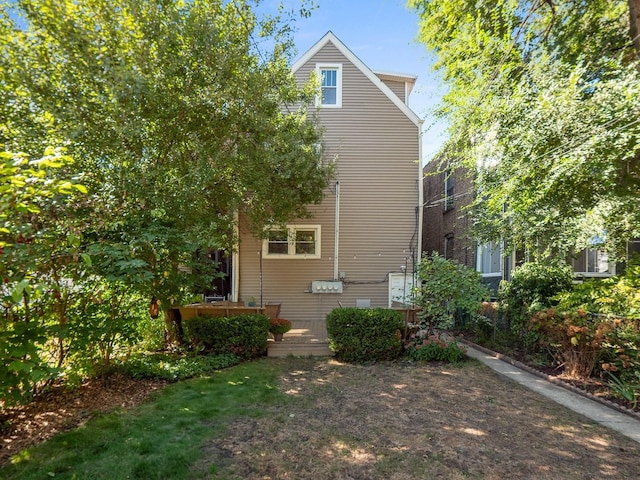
307,349
306,338
281,349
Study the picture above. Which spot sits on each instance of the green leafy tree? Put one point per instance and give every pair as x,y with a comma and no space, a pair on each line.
542,103
446,288
39,253
178,119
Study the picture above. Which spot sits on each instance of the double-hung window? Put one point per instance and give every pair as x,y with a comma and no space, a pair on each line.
489,261
294,241
330,85
597,261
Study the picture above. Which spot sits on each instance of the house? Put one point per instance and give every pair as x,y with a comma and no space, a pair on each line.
362,241
448,194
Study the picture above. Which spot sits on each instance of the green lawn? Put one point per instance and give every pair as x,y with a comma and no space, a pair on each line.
160,439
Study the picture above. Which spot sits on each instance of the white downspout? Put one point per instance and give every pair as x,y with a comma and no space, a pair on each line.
420,193
235,261
336,243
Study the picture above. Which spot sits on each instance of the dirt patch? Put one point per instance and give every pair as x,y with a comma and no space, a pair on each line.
405,421
61,409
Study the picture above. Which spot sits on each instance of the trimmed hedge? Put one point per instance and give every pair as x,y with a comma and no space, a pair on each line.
243,335
365,334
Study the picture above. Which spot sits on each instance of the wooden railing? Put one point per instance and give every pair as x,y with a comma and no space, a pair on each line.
223,309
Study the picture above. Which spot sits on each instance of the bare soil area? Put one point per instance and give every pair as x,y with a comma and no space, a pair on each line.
407,421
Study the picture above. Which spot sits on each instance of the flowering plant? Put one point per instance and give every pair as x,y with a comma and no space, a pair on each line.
279,325
433,348
576,335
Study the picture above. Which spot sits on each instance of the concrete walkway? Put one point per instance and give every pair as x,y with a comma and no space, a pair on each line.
609,417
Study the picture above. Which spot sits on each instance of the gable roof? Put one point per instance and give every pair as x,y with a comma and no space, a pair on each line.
329,37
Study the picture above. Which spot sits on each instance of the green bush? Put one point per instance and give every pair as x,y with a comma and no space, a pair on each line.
103,329
617,301
446,289
619,295
434,349
621,349
242,335
24,365
533,287
175,367
365,334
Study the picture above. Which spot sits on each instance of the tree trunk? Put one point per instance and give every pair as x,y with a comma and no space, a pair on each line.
634,23
173,333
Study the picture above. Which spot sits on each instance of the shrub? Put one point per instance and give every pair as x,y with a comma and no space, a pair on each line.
617,300
433,349
532,287
365,334
618,295
446,288
483,326
175,367
24,365
575,335
104,328
242,335
621,349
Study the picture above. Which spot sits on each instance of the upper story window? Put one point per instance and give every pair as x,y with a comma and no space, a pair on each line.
489,261
448,190
330,85
296,241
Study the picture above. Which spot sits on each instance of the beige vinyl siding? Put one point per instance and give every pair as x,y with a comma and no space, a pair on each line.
397,87
376,146
286,280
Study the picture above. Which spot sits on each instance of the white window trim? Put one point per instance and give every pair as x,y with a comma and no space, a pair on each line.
291,229
479,249
338,68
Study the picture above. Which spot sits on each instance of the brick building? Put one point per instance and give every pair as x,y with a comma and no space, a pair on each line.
447,196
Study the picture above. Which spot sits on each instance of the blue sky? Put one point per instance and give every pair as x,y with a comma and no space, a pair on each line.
382,34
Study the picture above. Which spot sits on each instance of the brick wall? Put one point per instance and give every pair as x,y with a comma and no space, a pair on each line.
446,230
